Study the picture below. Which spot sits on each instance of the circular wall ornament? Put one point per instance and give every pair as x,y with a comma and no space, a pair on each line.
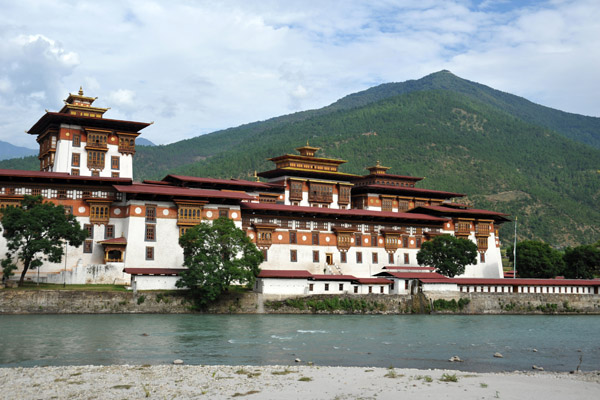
166,212
81,209
251,236
380,241
366,240
304,238
327,239
279,237
138,210
351,240
412,241
117,211
209,215
234,215
67,134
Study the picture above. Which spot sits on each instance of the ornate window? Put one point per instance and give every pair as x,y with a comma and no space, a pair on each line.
344,196
76,140
375,258
87,246
387,204
90,230
114,162
295,190
293,237
293,255
95,159
75,159
315,256
315,238
99,213
321,193
357,239
403,205
359,257
96,140
189,212
391,258
109,231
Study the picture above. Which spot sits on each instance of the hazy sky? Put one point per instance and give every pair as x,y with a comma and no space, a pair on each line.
194,67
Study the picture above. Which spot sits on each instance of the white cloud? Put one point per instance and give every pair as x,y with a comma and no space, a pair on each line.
195,67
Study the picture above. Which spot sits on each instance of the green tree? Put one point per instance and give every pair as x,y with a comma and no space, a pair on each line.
448,254
581,262
7,268
217,255
536,259
37,232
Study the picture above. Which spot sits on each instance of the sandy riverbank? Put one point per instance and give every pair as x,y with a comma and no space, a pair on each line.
280,382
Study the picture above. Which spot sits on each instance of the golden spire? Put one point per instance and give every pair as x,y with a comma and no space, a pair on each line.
256,176
80,90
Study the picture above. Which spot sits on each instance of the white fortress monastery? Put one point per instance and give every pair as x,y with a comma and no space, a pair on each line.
320,230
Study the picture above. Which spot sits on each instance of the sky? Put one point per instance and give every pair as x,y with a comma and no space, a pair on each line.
194,67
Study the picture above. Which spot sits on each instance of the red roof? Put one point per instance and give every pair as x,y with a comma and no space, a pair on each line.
473,211
285,274
142,188
410,190
54,117
374,281
336,211
119,240
153,271
17,173
213,181
527,282
386,175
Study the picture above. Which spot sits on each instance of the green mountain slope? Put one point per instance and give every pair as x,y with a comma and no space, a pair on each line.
458,144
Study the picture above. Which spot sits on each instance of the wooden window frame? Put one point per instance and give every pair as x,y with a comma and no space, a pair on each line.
359,258
115,162
109,231
293,255
88,246
316,257
76,160
150,233
150,253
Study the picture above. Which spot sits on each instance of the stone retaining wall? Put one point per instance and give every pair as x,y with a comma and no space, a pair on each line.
93,302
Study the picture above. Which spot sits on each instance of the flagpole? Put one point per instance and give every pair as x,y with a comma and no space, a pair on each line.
515,251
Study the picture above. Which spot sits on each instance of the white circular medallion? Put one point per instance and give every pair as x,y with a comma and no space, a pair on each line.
366,240
117,211
251,236
234,215
327,239
380,241
351,240
412,241
209,214
138,210
81,209
304,238
166,212
279,237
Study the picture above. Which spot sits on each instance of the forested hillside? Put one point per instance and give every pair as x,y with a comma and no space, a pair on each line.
505,152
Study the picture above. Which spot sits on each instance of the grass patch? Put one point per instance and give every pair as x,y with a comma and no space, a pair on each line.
237,394
60,380
452,305
329,303
305,379
449,378
425,378
76,374
483,385
392,374
284,372
249,374
122,387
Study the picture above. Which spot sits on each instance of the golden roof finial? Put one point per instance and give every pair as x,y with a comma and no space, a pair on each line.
378,163
256,176
80,90
307,142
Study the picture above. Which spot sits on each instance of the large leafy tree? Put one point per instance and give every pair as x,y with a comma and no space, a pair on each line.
37,232
582,261
448,254
216,255
537,259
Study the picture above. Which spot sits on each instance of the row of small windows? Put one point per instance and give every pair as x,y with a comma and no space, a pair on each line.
316,257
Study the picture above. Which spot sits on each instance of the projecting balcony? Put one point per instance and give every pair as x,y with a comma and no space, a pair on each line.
126,149
320,198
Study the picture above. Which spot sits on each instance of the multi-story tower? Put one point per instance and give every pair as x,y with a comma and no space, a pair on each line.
79,141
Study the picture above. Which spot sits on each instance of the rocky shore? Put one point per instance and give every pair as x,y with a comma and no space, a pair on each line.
286,382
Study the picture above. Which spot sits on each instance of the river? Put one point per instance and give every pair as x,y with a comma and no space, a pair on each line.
557,343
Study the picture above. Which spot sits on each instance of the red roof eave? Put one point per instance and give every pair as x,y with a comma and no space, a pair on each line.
141,188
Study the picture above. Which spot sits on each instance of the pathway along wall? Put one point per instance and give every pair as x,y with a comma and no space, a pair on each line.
93,302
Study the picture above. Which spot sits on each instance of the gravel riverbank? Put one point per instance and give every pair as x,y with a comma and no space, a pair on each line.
286,382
